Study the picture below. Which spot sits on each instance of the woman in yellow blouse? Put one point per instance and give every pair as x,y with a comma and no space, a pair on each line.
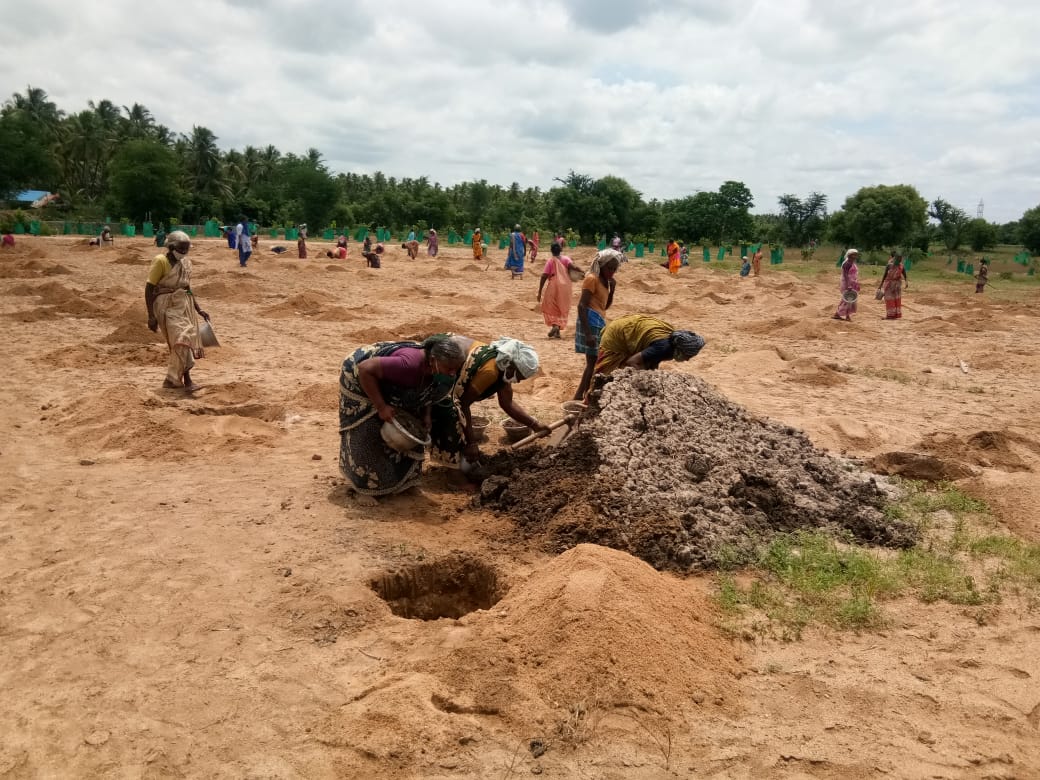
490,369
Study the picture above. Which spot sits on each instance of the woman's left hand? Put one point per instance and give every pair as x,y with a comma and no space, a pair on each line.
203,314
538,427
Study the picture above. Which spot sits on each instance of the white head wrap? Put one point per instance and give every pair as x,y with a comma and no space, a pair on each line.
177,237
603,257
517,353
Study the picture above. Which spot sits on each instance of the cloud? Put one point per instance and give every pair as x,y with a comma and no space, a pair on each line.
825,95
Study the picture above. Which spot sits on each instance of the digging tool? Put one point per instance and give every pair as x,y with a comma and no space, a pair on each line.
569,421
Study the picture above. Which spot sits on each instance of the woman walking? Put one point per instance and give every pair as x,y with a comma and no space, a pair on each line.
557,288
892,286
849,281
983,277
432,243
173,310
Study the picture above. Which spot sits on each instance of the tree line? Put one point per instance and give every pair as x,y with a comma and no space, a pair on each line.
118,160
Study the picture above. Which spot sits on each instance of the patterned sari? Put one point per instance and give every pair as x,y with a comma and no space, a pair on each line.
174,308
893,286
480,374
849,281
373,468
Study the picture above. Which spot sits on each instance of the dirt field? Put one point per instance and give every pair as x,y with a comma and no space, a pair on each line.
187,589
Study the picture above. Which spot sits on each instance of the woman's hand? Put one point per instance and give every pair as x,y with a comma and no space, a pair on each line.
203,314
153,324
472,453
538,427
386,413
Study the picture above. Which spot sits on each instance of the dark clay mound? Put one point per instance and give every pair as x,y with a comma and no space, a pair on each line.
665,468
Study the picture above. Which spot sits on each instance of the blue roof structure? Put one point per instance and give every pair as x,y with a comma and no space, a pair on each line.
30,196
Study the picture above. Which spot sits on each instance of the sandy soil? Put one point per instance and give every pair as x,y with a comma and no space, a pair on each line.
187,589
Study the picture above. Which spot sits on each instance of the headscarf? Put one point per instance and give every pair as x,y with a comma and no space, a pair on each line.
686,342
516,353
615,243
177,237
602,258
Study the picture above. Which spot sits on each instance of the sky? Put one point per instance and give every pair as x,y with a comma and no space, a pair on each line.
675,96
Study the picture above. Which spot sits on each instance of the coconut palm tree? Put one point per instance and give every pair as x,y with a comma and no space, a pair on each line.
139,122
36,105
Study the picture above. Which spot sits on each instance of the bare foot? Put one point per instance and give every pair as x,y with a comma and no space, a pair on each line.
363,500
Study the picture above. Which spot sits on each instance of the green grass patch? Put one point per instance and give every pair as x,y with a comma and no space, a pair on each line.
810,578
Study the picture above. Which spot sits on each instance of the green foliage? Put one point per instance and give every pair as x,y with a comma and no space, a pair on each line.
801,220
953,222
709,217
1008,233
880,216
24,158
981,234
1029,230
809,577
144,179
315,192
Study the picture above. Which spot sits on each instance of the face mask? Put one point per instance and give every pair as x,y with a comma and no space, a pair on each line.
179,255
444,379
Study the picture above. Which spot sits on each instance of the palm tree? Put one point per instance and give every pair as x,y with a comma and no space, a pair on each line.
84,146
35,104
139,122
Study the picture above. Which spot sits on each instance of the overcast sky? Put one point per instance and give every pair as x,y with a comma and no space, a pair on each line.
672,95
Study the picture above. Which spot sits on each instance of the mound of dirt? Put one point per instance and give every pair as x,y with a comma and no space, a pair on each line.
576,631
321,396
133,257
234,292
418,330
131,333
989,449
914,465
667,469
811,371
56,270
771,326
338,314
308,304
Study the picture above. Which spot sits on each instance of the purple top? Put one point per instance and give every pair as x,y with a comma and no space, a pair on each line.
406,367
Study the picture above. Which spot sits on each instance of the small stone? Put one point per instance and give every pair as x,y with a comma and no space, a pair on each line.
87,462
925,738
315,457
537,748
698,698
97,738
536,770
719,701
